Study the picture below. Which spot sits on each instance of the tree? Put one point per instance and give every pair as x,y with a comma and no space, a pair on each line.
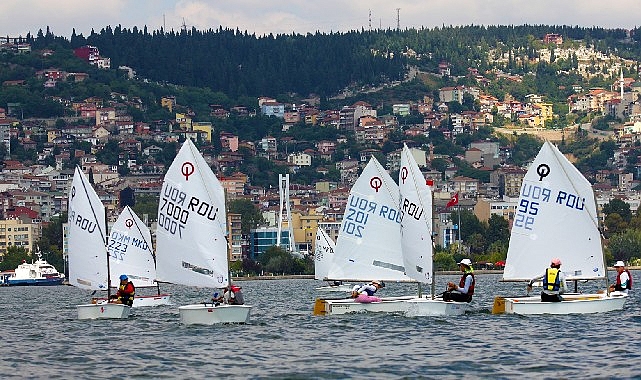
617,206
14,257
626,245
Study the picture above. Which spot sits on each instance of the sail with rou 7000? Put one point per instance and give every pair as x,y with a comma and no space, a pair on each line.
191,236
191,244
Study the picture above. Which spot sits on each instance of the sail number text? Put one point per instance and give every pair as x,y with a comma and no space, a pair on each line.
358,212
532,196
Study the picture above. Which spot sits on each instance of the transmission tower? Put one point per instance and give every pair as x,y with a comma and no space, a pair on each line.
398,18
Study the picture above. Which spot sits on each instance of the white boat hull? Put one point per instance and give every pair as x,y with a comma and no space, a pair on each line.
348,305
420,307
103,311
145,301
208,314
572,304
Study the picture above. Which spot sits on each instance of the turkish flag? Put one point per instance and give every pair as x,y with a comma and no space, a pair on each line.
453,201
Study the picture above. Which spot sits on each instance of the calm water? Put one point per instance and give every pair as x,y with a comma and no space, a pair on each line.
41,338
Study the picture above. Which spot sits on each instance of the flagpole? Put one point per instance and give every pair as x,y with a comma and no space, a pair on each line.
459,228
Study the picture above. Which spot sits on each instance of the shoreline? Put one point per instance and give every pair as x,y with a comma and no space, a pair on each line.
447,272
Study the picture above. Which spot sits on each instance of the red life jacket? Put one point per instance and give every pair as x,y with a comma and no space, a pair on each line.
628,286
461,284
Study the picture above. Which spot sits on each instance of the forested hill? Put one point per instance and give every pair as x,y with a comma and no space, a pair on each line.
238,63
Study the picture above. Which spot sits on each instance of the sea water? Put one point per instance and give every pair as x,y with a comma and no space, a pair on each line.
42,338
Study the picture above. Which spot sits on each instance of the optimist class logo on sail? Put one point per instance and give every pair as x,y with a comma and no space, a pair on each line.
535,195
176,206
359,209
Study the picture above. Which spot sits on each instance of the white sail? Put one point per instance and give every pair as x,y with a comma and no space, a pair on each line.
191,248
130,250
556,217
416,224
369,241
323,254
86,235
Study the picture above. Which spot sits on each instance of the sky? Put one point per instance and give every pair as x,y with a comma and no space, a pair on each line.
18,17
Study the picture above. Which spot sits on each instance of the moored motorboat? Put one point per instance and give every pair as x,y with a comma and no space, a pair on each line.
39,273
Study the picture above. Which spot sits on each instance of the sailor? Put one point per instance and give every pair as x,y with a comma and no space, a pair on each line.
370,288
126,291
553,282
465,289
624,279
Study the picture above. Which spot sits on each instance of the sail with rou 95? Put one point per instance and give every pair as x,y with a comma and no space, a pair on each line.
556,217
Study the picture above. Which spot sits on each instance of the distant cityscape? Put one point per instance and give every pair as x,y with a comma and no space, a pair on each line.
32,194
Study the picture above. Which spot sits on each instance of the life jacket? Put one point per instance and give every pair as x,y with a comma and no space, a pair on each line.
461,284
126,293
628,286
552,280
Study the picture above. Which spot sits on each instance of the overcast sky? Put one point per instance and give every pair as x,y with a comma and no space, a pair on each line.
17,17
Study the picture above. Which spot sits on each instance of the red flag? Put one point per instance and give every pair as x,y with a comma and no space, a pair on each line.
453,201
429,182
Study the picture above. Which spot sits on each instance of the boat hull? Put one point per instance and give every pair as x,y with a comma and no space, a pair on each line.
209,314
348,305
145,301
35,281
572,304
103,311
420,307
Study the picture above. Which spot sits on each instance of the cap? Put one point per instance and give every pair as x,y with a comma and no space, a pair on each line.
379,283
235,288
619,264
123,277
556,261
466,262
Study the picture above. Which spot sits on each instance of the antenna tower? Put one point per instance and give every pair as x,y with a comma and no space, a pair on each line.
398,18
370,20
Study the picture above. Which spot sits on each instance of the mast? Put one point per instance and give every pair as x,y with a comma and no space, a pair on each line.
107,250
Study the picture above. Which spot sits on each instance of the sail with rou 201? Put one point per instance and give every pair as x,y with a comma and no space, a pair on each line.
556,217
369,241
191,245
86,235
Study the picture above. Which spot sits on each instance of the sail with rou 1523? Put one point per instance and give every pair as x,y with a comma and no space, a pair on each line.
191,245
556,217
86,235
323,254
369,241
416,225
130,250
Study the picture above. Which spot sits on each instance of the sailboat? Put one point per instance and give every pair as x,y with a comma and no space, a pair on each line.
416,239
323,256
369,243
87,242
556,217
131,253
191,242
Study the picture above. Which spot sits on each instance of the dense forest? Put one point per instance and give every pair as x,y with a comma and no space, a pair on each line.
241,64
